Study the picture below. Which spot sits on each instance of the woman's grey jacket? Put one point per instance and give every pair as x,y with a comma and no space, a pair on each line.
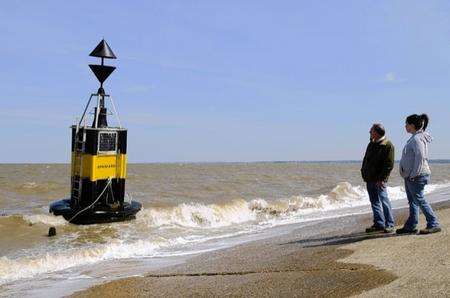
414,160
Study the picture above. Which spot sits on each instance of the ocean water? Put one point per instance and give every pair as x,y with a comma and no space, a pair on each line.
187,208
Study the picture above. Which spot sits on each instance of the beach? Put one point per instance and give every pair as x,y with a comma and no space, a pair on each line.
342,261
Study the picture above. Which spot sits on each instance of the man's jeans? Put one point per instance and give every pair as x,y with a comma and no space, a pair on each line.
414,191
381,206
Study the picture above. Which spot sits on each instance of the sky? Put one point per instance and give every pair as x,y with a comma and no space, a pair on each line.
210,81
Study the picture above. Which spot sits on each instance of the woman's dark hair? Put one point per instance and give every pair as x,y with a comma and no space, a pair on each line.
419,121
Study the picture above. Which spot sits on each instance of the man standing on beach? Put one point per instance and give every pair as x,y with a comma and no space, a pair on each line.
377,165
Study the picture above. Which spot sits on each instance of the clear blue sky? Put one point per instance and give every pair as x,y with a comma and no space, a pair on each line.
226,80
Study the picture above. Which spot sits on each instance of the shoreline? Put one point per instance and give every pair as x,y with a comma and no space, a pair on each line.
341,262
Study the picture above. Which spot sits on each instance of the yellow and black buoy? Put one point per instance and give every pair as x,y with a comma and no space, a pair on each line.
99,160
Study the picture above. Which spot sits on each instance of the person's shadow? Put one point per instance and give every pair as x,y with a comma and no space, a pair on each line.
339,239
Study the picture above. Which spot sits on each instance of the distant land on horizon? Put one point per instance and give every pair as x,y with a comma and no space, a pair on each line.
433,161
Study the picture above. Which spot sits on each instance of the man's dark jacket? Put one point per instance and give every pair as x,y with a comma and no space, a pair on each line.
378,161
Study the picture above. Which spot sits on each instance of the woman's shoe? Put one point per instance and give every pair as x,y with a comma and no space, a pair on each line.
430,230
389,230
406,231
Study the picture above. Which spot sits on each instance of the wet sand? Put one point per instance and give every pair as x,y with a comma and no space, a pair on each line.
342,261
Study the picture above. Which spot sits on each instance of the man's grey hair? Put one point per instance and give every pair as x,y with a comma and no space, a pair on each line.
379,129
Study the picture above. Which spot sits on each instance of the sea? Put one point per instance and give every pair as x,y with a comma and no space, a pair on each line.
188,208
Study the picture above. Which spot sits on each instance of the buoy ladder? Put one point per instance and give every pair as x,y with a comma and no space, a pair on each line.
80,141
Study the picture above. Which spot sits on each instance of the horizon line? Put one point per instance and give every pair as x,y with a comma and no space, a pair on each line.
445,160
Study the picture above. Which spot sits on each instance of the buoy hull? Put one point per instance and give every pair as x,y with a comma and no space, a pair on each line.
95,215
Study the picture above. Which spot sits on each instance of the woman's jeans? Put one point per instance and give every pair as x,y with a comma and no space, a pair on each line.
381,206
414,191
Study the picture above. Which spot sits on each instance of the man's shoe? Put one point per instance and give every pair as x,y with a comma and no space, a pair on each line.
374,229
406,231
389,230
430,230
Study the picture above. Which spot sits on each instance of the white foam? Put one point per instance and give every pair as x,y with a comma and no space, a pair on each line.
45,219
13,269
81,276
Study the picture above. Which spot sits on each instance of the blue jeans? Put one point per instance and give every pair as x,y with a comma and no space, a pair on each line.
381,206
414,191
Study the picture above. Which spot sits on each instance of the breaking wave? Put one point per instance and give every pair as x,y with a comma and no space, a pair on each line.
192,223
13,269
196,215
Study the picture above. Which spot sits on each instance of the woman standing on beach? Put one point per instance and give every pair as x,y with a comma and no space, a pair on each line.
415,170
